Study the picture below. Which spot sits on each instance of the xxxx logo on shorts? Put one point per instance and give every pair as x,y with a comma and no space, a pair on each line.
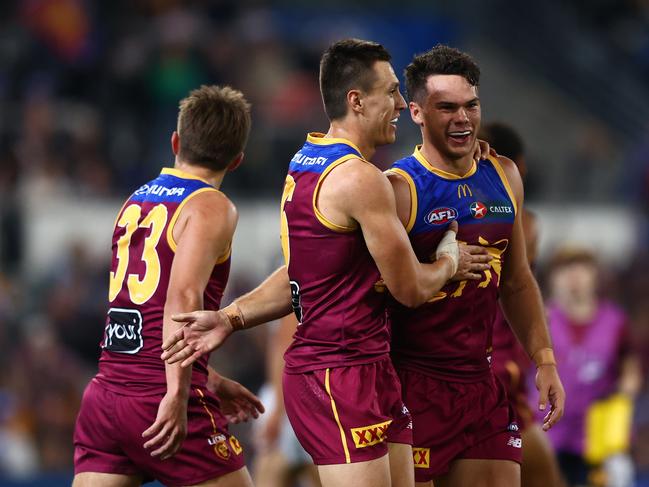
421,457
369,435
236,446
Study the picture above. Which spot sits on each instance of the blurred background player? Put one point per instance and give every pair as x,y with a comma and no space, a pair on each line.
141,418
464,431
509,361
600,373
280,460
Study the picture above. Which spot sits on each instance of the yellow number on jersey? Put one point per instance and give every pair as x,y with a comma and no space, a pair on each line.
140,290
289,188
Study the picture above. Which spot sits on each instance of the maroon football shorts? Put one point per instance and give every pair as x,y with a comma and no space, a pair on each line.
108,438
457,420
347,414
512,374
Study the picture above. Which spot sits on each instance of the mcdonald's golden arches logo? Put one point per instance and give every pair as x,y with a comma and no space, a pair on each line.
465,189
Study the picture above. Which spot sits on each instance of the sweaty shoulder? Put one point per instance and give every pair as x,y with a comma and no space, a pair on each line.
210,210
354,185
513,177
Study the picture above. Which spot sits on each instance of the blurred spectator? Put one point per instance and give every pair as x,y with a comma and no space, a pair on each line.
596,364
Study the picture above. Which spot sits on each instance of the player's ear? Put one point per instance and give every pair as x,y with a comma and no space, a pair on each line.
175,143
235,163
415,113
355,100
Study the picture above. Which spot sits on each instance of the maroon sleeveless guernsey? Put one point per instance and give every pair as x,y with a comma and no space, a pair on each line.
449,337
342,318
143,252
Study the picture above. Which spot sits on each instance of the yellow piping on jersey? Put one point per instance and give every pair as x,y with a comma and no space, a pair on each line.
501,172
327,223
170,229
441,173
413,195
319,138
182,174
343,439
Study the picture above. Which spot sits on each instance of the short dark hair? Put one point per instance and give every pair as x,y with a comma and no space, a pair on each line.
213,126
440,59
504,139
346,65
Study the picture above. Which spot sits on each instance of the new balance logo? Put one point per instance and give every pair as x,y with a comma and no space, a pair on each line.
369,435
515,442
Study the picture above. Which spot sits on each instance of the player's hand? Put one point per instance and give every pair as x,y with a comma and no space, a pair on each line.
473,260
238,404
551,392
166,434
482,150
204,331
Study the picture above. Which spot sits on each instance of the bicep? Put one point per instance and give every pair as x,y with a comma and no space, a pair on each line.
385,236
205,239
516,264
402,194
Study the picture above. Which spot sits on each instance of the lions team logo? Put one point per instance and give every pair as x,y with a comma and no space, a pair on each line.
221,450
478,210
440,216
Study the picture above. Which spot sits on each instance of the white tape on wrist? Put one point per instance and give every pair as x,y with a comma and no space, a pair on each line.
448,247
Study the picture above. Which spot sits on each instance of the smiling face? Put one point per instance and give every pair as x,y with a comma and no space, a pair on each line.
382,105
449,115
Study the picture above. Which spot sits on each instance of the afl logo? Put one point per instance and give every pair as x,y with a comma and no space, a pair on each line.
478,210
440,216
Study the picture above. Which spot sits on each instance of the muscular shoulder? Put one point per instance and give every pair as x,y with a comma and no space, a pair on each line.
513,177
356,187
360,181
210,212
210,206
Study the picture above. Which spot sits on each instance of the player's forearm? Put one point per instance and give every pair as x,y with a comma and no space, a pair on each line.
268,301
418,286
178,378
523,307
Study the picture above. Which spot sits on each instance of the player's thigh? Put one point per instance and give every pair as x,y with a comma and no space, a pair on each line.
238,478
540,467
371,473
402,468
481,473
96,479
269,469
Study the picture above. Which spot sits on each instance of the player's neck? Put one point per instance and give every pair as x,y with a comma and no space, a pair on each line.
438,160
215,178
339,130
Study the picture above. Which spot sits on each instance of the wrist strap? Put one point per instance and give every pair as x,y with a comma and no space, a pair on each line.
544,356
235,316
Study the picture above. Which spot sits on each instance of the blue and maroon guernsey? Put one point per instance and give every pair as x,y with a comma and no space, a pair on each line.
143,252
449,337
342,317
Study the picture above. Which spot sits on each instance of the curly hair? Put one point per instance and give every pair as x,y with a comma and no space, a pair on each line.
441,59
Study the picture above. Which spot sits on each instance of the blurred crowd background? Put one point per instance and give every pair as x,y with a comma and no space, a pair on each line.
88,100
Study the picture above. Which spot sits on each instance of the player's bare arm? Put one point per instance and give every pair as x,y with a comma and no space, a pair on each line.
472,259
361,195
521,301
203,233
205,331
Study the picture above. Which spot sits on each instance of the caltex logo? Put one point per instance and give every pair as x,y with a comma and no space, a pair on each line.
478,210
